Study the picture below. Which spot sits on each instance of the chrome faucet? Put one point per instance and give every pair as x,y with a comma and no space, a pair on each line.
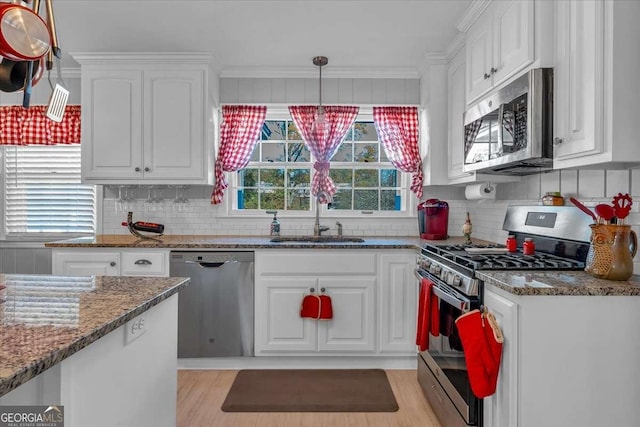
317,228
339,228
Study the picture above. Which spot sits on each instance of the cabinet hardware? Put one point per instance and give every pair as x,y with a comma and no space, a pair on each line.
137,169
494,70
112,263
557,141
147,169
143,262
486,76
322,289
312,290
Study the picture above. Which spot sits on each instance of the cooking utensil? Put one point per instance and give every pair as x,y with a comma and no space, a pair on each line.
583,208
606,212
622,205
13,74
24,36
60,95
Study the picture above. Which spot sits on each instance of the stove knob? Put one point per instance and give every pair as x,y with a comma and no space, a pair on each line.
456,280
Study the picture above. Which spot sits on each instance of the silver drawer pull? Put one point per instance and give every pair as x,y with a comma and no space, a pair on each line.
143,262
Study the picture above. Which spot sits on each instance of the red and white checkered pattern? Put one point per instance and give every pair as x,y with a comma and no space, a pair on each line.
398,132
30,126
239,133
323,141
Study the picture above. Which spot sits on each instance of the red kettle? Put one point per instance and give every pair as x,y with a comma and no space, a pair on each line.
433,219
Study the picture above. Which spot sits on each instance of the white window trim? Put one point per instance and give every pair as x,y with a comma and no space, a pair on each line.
280,112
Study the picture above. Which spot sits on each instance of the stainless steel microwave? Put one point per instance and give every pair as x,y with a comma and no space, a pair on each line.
511,131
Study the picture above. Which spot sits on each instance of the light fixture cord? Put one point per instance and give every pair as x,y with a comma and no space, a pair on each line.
320,86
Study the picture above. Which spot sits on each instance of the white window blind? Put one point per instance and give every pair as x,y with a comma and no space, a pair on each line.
43,193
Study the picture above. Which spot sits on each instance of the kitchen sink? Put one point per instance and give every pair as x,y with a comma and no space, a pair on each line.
317,239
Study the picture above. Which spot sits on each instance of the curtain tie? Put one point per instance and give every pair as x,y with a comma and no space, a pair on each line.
322,167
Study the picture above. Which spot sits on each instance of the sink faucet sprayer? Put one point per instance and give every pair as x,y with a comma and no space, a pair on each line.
317,228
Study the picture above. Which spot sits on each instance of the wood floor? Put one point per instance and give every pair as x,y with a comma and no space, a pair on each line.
201,393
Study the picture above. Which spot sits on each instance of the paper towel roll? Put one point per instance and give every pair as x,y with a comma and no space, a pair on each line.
480,191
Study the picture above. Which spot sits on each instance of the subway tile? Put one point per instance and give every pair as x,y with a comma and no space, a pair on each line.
635,183
569,183
549,182
591,183
617,182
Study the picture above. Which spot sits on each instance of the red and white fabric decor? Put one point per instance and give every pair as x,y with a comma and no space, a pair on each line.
31,126
324,141
239,133
398,132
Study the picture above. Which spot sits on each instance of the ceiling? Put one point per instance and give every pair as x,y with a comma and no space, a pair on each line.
258,37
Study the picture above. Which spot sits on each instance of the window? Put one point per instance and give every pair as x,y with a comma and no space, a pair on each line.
280,172
43,195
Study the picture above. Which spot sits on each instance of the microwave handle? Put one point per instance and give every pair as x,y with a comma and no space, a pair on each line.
500,125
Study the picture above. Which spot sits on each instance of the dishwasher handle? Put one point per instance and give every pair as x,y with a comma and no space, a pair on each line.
204,264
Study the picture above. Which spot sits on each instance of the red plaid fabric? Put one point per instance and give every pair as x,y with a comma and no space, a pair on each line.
398,132
239,133
30,126
323,141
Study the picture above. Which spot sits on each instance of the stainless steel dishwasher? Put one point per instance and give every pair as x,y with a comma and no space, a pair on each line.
215,312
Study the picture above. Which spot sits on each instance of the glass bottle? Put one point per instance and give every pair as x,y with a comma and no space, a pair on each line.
528,247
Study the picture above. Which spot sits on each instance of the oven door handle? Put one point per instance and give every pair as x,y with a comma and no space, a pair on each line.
462,304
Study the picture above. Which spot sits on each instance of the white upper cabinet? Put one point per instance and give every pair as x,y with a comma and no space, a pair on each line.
146,119
499,45
596,84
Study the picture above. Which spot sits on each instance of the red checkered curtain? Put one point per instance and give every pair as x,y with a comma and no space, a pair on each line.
31,126
323,142
239,132
397,129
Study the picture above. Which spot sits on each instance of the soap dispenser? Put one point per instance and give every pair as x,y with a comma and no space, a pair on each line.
274,229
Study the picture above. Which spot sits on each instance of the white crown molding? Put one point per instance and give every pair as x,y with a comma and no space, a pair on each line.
87,58
431,58
471,14
456,44
68,73
330,72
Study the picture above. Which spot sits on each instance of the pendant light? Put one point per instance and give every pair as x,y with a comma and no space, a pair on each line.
320,126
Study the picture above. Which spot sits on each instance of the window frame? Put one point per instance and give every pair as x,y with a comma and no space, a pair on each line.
31,238
282,113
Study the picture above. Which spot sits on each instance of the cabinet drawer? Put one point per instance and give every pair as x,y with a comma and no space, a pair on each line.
145,263
316,261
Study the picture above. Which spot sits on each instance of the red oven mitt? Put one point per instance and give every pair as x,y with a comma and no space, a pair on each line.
326,309
428,315
317,307
482,342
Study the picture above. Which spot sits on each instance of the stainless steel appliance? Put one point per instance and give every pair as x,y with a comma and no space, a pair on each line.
561,236
511,131
215,312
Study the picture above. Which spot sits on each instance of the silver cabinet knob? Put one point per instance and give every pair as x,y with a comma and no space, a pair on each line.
112,263
494,70
557,141
147,169
487,76
137,169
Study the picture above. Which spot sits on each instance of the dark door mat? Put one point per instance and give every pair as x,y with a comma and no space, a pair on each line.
310,390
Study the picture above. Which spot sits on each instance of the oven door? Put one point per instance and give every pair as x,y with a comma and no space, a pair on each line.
445,355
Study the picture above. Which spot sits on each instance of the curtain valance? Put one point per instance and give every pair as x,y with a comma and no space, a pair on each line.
30,126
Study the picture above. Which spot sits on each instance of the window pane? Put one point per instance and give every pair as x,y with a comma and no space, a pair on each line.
248,177
389,200
366,152
365,200
272,199
298,178
366,178
273,151
298,152
365,131
341,177
248,199
344,153
293,134
342,199
298,199
272,178
273,130
389,178
383,154
255,155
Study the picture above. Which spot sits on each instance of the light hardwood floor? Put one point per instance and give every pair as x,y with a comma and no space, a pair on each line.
201,393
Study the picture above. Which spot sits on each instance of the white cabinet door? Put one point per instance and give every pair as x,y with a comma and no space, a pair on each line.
397,303
174,128
353,324
501,409
456,91
578,79
279,327
85,263
111,124
479,57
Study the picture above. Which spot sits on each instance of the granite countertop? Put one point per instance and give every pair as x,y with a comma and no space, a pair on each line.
241,242
44,319
519,282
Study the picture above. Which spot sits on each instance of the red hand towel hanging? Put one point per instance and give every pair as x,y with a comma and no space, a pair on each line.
310,306
428,315
326,309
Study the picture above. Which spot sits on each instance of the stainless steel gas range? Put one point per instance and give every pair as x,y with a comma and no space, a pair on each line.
561,237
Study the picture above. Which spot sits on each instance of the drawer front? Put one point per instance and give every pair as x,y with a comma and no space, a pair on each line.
145,263
317,261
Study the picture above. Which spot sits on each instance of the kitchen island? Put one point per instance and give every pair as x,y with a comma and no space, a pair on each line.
96,345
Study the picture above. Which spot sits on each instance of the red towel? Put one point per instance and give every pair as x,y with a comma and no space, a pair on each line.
428,315
316,307
482,341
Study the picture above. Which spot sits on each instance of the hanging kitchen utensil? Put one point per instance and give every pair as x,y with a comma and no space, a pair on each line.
24,36
59,95
583,208
13,74
622,205
604,212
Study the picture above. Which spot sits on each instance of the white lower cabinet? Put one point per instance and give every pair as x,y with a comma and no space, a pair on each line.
566,361
372,294
110,262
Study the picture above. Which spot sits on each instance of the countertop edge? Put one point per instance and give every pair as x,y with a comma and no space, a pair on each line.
58,355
